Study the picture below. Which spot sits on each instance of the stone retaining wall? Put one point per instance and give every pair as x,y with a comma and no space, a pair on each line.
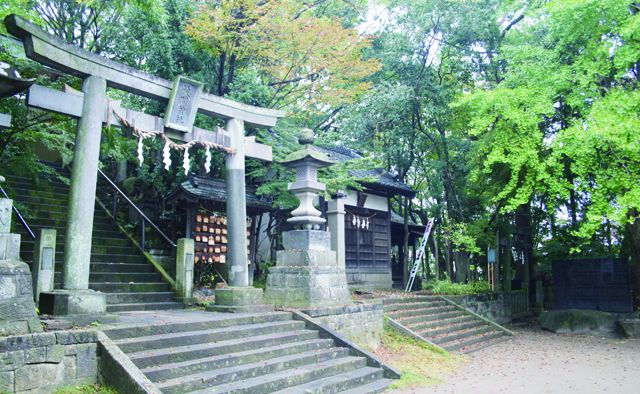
492,306
360,323
41,363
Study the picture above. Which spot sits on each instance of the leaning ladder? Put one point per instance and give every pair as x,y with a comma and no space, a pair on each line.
416,264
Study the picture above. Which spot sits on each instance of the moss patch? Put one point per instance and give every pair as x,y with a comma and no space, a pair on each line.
420,363
86,389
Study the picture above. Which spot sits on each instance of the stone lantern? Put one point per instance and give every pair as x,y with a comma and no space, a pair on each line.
306,187
307,273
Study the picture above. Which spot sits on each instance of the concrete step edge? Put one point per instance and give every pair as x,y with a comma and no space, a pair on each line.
240,372
338,383
156,372
290,378
204,336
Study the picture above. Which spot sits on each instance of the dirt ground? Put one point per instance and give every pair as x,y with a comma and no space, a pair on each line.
537,361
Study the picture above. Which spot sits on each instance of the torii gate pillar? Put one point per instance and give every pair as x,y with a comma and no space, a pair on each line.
236,203
75,296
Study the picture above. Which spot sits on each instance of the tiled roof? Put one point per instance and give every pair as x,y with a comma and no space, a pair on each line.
397,219
382,178
209,189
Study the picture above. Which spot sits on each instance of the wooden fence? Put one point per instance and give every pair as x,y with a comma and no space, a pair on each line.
518,301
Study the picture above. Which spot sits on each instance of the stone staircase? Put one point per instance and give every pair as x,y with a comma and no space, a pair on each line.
245,353
118,268
443,324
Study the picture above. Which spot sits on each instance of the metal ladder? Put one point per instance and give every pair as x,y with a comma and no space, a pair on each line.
423,246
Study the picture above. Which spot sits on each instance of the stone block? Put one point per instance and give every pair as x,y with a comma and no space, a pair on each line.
9,246
35,355
306,258
184,268
6,206
55,353
20,342
70,302
72,337
578,321
69,368
17,311
629,328
10,361
360,323
239,296
44,262
86,361
37,375
306,240
7,382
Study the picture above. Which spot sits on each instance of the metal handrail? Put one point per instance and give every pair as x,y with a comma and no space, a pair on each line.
24,222
144,217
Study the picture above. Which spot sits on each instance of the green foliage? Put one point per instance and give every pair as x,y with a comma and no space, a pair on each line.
86,389
446,287
420,363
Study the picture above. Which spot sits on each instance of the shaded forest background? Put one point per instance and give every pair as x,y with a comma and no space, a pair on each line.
517,121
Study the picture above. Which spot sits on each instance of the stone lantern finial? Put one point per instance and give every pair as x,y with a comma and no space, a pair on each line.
306,187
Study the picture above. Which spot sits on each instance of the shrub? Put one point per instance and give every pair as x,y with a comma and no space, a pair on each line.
445,287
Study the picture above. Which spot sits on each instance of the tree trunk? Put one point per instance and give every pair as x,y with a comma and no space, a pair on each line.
405,242
525,237
462,266
631,248
506,259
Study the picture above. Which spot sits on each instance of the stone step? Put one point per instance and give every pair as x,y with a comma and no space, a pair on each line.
95,240
378,386
144,306
173,370
466,343
425,325
289,378
393,308
39,184
218,320
239,373
25,200
485,344
452,336
447,328
117,277
119,258
408,299
351,380
98,225
106,287
121,267
96,247
136,298
149,358
138,344
112,232
21,192
432,317
426,310
128,277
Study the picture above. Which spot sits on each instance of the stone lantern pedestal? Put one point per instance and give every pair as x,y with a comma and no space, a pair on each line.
307,273
17,310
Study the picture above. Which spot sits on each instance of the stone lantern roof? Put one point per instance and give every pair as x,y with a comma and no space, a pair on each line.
307,155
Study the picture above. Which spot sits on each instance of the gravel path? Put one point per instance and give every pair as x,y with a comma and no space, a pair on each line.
537,361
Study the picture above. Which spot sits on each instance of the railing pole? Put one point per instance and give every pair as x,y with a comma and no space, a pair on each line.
115,204
143,239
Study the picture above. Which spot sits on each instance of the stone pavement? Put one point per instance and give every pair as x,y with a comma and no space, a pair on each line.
541,362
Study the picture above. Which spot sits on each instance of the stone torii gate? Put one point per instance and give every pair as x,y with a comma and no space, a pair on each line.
92,109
